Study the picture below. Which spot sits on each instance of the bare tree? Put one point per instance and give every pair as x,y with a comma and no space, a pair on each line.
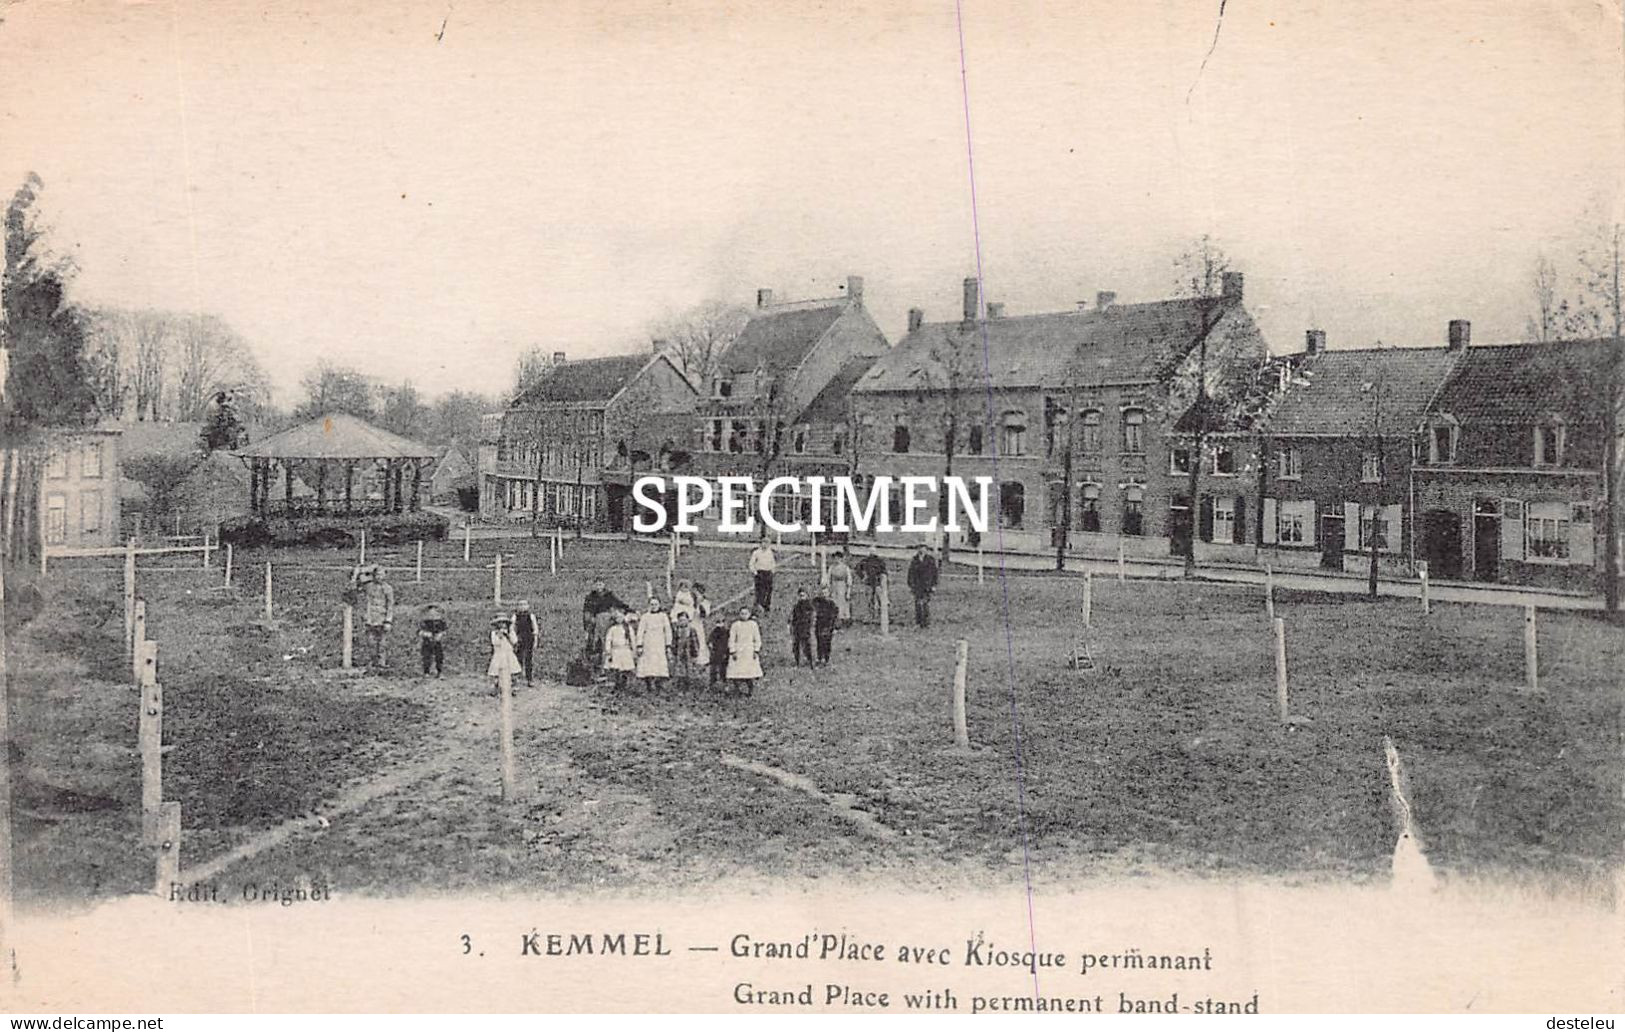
1200,276
532,364
698,337
1598,312
1546,323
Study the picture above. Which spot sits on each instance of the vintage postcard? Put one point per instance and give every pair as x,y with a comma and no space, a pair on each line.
912,506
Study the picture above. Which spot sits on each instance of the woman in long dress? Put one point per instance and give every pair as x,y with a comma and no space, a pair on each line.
502,652
619,657
654,645
840,589
745,651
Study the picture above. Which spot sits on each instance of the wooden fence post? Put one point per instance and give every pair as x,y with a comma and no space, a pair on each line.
206,562
167,839
138,641
150,734
363,560
417,577
961,661
1121,571
1269,592
505,689
1088,598
1280,667
496,582
1531,657
1422,573
553,556
228,564
349,635
979,565
885,606
129,595
268,591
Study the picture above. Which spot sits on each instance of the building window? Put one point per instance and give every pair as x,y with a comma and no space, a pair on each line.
1089,508
1133,511
1295,523
1549,442
90,511
1370,468
56,464
737,434
1012,504
1133,431
1224,520
1443,439
1091,430
973,442
1546,531
1224,463
1289,463
1055,429
722,387
1014,442
56,519
90,459
715,441
837,444
1179,461
900,435
800,440
1380,521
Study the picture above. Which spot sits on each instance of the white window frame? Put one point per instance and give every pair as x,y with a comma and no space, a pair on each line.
56,463
56,518
1289,463
1175,467
1296,522
1224,515
1214,463
1370,467
1090,420
1013,434
1556,517
90,460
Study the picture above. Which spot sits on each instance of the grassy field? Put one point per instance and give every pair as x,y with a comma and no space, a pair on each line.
1169,758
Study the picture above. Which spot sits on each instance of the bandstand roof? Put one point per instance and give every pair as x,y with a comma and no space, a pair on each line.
337,436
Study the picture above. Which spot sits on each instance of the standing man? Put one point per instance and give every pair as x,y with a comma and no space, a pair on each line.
762,564
525,633
870,569
801,626
922,580
826,615
377,611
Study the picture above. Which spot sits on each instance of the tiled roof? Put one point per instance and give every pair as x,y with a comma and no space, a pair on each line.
830,404
1121,344
778,338
1337,399
337,436
1524,383
584,380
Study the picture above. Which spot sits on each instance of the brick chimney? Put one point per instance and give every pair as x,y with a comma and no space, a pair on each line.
916,319
558,358
658,345
1230,286
764,297
1460,335
995,309
1314,342
854,288
973,295
1104,299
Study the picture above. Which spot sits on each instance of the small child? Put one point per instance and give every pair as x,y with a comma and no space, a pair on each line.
684,650
745,651
718,647
619,657
432,640
502,656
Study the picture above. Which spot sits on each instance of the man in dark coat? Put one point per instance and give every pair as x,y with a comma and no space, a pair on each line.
870,569
922,580
825,616
801,627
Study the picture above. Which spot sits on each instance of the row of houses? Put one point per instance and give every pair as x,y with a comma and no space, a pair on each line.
1483,461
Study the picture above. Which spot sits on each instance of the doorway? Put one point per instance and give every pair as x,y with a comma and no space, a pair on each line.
1487,539
1441,543
1331,541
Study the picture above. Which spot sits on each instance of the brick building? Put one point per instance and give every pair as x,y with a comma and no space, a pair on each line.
566,450
1337,455
1509,466
1067,412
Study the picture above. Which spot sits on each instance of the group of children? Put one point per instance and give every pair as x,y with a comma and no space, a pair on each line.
656,646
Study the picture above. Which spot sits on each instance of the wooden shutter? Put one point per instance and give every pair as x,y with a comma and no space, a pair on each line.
1351,526
1241,519
1511,528
1206,523
1311,523
1269,521
1582,537
1392,514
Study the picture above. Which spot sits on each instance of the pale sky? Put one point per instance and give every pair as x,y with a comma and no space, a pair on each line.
337,182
